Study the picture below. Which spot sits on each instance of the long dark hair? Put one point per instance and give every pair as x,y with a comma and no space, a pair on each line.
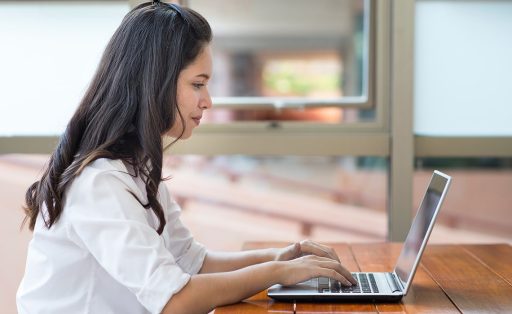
129,105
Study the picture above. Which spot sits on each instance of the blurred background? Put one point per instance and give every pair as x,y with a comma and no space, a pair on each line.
328,118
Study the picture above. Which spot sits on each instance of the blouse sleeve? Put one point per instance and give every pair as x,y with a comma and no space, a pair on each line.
189,253
107,221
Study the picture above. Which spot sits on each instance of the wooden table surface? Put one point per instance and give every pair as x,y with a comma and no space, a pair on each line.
451,279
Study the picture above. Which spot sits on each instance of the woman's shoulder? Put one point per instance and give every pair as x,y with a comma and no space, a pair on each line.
104,169
114,175
106,165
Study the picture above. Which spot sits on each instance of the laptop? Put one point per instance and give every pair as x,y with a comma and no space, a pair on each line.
378,286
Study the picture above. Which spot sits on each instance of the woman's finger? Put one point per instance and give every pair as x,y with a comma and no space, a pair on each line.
331,273
328,263
310,247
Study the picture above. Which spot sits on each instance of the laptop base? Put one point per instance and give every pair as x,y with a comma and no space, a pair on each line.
332,298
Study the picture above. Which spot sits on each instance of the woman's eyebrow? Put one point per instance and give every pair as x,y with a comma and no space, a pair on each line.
203,75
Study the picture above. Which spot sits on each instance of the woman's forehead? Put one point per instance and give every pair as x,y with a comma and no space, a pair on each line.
202,65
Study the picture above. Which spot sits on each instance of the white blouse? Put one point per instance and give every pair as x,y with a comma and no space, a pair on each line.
104,255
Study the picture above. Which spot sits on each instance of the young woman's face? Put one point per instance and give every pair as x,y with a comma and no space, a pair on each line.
192,94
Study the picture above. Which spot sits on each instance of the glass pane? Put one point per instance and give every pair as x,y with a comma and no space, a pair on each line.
50,50
462,68
228,200
289,53
478,205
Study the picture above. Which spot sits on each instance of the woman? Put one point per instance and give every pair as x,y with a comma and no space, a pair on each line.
107,236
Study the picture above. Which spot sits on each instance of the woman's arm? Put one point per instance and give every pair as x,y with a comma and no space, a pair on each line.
228,261
216,262
205,292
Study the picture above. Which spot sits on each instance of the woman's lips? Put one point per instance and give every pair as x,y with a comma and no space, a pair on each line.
197,120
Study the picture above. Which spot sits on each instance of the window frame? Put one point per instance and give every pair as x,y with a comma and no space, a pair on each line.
365,101
378,99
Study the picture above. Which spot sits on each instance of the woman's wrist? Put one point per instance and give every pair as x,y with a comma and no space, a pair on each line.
287,253
274,254
276,271
268,255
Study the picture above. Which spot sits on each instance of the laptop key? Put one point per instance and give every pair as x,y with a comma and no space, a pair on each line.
365,285
335,286
373,283
351,289
346,289
323,284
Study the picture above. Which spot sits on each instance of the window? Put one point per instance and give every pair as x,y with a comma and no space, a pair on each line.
50,50
227,200
291,60
478,203
462,113
462,68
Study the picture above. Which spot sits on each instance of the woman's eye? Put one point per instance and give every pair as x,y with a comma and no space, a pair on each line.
198,85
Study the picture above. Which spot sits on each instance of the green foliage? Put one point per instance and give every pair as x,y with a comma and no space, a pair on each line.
287,81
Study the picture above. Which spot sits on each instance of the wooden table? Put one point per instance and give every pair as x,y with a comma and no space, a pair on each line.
451,279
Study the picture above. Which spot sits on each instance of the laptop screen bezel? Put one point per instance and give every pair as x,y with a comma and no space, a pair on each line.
406,282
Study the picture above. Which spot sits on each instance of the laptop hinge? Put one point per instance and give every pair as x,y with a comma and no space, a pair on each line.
395,284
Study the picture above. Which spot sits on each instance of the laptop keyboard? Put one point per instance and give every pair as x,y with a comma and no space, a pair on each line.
366,284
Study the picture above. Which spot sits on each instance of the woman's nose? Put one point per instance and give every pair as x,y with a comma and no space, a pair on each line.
206,101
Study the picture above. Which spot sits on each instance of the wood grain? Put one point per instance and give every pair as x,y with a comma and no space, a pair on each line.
497,257
470,284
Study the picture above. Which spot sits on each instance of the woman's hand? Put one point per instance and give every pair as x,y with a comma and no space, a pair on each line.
305,247
307,259
310,266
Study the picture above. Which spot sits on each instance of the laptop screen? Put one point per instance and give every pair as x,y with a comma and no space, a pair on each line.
421,228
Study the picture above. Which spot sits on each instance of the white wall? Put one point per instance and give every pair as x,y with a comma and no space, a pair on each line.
49,53
463,68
